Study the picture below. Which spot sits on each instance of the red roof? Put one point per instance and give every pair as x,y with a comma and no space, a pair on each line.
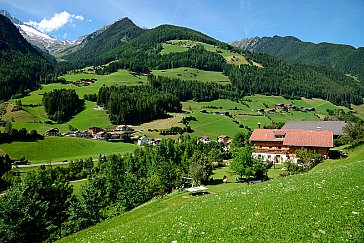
305,138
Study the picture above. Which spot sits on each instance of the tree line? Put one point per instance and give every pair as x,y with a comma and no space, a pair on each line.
62,104
42,207
131,105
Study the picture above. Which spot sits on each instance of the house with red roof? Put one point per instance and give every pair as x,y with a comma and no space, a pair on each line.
279,145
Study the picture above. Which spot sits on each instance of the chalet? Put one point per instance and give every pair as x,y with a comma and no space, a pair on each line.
94,130
52,132
280,145
205,139
83,134
336,127
125,128
224,139
100,135
115,136
143,141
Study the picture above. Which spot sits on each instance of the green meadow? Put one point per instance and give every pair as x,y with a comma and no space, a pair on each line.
243,116
325,205
183,45
185,73
33,115
55,149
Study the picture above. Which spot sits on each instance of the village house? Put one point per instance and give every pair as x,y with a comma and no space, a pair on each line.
115,136
94,130
83,134
224,139
205,139
100,135
52,132
125,128
143,141
279,146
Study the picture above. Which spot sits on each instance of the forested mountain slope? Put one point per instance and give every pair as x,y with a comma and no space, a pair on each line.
21,66
276,77
345,58
98,47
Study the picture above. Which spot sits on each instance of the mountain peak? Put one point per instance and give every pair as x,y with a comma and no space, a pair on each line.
38,38
8,15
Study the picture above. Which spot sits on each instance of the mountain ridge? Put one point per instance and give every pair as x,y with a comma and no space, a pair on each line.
345,58
39,39
21,65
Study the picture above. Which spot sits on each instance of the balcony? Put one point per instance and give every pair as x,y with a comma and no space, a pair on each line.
272,150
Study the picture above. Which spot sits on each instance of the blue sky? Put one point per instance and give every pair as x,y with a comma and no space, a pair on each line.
335,21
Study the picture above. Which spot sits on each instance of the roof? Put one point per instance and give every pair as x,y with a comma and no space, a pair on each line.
304,138
336,127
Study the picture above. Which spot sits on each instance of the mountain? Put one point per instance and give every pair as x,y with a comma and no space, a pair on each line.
123,45
97,48
21,65
345,58
39,39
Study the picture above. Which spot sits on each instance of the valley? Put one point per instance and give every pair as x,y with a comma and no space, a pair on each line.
101,137
242,116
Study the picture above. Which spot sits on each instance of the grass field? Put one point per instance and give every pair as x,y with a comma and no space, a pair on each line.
193,74
320,206
183,45
34,117
242,113
63,148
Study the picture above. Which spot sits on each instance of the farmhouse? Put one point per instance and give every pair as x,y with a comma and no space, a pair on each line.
224,139
94,130
336,127
205,139
125,128
143,140
279,145
52,132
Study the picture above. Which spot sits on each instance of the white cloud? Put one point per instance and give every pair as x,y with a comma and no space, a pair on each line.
79,17
56,22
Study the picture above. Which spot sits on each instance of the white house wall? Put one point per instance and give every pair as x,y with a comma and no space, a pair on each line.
271,157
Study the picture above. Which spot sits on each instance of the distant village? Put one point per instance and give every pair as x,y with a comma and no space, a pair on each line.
84,82
123,133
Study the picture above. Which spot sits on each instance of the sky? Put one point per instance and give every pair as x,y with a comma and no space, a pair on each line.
334,21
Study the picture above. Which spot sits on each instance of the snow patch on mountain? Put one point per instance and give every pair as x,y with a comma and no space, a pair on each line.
39,39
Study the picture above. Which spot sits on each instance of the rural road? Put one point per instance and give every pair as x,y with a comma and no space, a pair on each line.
46,164
35,165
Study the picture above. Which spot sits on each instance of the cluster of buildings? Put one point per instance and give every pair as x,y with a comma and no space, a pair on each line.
113,135
84,82
286,107
276,145
279,145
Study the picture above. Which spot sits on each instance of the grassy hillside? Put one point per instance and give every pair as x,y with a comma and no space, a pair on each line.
324,206
33,115
66,148
242,114
183,45
193,74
